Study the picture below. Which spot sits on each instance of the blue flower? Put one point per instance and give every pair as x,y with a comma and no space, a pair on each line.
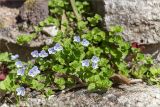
58,47
51,50
95,59
14,57
35,54
76,39
34,71
85,62
21,71
85,42
94,65
43,54
19,64
20,91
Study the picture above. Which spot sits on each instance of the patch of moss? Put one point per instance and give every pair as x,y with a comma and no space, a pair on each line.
29,4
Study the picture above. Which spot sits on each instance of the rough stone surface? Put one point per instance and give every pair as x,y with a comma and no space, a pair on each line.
9,31
140,19
7,17
50,30
137,95
34,11
8,43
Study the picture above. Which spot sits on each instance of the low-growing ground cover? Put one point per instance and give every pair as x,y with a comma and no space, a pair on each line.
83,55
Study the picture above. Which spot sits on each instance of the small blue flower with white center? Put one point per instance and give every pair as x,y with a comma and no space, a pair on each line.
35,54
20,91
95,59
21,71
51,50
94,65
34,71
85,62
85,42
43,54
58,47
19,64
14,57
76,39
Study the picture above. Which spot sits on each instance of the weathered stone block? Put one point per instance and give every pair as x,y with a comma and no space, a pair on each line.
34,11
139,18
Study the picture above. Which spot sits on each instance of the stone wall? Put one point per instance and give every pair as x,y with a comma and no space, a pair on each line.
15,20
139,18
34,11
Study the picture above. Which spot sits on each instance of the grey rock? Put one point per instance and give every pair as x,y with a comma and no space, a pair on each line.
8,17
50,30
8,43
139,18
4,105
9,31
137,95
34,11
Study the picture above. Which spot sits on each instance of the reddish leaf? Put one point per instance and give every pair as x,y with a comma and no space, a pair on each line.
2,76
135,45
140,46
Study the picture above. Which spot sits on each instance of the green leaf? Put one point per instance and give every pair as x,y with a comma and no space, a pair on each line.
106,72
154,71
88,36
98,34
139,73
122,67
103,62
75,65
60,82
91,86
48,92
115,53
37,85
94,20
93,79
3,86
4,57
41,78
59,68
116,29
58,37
6,84
94,51
82,25
104,84
67,42
25,38
37,29
140,57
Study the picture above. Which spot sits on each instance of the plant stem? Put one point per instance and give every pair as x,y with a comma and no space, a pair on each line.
73,4
63,20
